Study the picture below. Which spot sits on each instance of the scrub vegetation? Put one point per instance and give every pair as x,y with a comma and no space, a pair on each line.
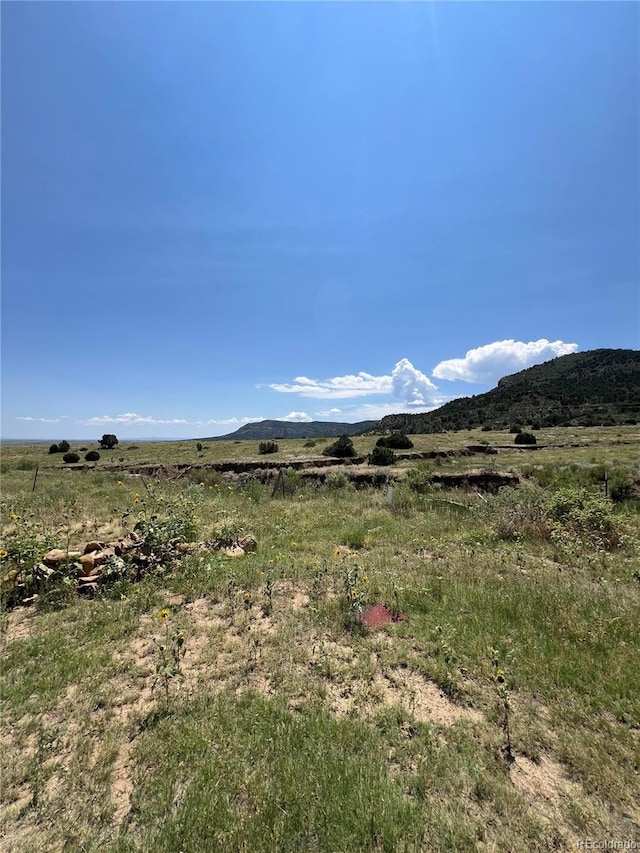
207,696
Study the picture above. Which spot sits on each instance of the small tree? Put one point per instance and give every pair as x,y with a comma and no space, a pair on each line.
525,438
382,456
342,448
71,457
108,441
63,446
397,441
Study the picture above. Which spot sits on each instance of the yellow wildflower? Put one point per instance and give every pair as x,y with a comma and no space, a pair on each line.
3,553
136,498
163,614
119,482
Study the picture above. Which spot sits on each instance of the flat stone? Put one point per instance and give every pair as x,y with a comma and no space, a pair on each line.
90,547
234,551
54,556
87,562
101,556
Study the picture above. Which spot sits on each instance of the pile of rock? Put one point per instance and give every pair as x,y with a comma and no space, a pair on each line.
129,557
97,560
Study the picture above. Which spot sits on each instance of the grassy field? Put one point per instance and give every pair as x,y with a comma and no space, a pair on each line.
237,703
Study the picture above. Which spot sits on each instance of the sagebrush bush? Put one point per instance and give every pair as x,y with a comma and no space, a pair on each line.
92,456
268,447
336,480
525,438
382,456
518,513
342,448
71,457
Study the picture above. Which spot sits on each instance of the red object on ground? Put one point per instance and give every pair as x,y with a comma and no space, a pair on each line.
378,614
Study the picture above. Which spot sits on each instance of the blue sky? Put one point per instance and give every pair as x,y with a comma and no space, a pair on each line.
219,212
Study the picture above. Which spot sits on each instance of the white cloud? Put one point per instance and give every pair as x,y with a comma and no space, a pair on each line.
327,413
301,417
130,418
375,411
39,420
488,363
405,383
411,385
232,421
359,385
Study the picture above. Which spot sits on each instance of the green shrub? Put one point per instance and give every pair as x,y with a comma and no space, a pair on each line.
199,447
54,449
268,447
620,486
309,443
342,448
21,570
63,446
382,456
336,480
419,478
397,441
584,513
515,428
518,513
92,456
525,438
71,457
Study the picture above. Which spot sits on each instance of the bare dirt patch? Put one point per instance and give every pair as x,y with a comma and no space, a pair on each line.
20,624
422,698
546,790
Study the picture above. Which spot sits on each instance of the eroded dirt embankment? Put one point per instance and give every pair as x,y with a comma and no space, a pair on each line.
155,469
358,471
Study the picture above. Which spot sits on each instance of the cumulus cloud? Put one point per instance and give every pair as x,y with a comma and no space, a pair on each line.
352,385
411,385
488,363
38,420
130,418
405,383
301,417
327,413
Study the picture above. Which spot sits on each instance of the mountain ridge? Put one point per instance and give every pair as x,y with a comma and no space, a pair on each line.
273,429
591,388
